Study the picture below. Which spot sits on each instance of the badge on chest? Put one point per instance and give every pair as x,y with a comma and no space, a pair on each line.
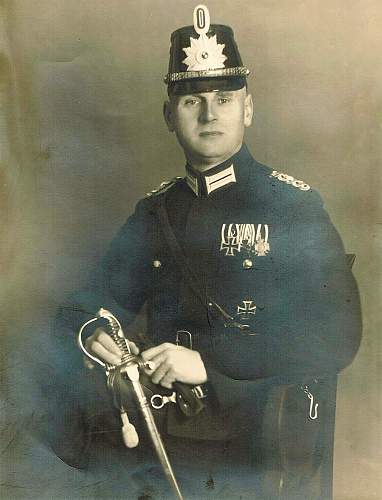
251,238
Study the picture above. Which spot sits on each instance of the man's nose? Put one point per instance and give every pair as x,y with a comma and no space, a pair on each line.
207,112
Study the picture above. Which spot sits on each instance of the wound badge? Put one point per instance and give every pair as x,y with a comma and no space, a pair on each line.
204,52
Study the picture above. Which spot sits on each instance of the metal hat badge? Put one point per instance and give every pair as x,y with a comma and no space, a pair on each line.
204,57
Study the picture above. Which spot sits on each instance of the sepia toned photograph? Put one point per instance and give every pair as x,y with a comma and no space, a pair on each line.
190,259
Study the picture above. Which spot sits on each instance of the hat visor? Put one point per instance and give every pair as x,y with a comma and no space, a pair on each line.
199,85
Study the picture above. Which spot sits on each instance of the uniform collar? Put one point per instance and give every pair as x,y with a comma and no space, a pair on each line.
224,175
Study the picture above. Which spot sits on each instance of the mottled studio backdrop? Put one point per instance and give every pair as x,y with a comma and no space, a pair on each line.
82,139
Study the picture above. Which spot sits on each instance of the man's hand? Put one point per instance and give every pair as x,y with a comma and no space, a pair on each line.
102,346
174,363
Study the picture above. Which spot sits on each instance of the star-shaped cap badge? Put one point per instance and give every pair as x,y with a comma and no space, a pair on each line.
204,53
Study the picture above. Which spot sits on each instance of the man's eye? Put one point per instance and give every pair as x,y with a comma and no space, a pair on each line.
191,102
223,100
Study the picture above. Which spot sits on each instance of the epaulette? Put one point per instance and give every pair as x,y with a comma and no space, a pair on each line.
163,186
301,185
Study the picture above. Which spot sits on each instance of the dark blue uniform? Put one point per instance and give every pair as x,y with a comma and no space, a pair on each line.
294,290
260,245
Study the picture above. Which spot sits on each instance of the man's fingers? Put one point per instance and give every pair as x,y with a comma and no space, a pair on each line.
159,359
103,346
154,351
159,373
133,347
101,352
107,342
167,381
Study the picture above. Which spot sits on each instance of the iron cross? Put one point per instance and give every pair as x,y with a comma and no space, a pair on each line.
248,308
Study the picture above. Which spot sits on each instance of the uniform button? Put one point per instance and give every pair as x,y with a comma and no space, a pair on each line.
157,263
247,264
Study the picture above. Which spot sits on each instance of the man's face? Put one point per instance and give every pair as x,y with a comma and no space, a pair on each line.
209,125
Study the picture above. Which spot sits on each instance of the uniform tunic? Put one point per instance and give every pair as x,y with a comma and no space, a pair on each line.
262,247
297,295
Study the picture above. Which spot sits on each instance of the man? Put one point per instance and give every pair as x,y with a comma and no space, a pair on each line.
242,258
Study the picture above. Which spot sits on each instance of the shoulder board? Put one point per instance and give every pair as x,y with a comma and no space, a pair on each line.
163,186
288,179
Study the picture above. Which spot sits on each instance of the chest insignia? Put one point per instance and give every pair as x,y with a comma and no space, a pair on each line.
245,310
252,238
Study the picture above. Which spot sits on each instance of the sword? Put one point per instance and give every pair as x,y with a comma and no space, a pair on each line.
129,369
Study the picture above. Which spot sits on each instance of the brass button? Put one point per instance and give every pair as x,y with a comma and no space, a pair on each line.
247,264
157,263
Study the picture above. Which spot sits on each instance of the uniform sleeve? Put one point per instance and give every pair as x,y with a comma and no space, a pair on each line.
316,323
120,281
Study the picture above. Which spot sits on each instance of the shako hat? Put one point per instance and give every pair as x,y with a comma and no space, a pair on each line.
204,57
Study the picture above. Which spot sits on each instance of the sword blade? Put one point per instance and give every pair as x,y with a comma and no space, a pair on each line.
156,437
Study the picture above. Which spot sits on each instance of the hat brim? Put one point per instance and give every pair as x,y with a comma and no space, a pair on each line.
199,85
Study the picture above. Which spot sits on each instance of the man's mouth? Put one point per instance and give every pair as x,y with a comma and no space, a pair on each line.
210,133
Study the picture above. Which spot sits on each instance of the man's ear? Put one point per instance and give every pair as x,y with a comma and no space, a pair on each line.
248,110
167,115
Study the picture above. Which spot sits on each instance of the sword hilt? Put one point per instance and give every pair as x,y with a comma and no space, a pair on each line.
129,369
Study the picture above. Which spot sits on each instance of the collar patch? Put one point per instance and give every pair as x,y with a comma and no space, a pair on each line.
216,181
192,183
211,182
